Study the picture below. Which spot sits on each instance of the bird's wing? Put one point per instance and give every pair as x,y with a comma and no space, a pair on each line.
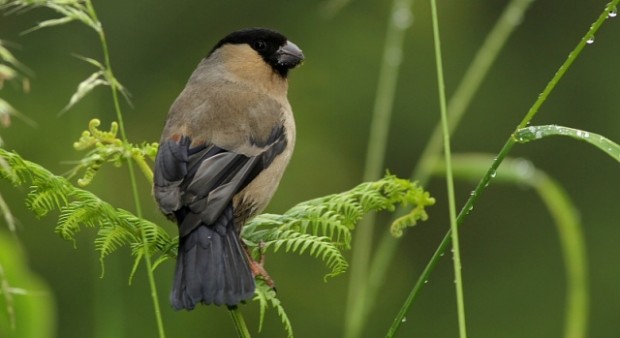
195,184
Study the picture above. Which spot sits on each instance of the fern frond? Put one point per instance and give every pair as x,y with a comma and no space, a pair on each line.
317,246
320,227
80,208
46,193
323,226
73,216
261,294
110,238
157,239
266,297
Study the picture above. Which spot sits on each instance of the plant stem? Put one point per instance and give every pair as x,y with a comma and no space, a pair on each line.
564,213
400,20
445,242
497,161
144,167
134,185
449,180
457,106
240,326
510,19
569,61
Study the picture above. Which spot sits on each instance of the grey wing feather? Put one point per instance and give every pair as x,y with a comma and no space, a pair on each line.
213,188
170,170
194,185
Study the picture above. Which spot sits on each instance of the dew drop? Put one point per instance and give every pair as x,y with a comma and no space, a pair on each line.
590,40
403,320
613,13
426,281
538,135
493,174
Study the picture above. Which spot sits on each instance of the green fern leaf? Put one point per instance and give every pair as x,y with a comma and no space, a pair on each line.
266,297
80,208
323,226
72,217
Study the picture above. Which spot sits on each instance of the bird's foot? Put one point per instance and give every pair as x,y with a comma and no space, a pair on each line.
258,267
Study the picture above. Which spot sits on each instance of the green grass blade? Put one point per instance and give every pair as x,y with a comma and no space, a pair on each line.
521,172
457,106
456,252
533,133
492,170
486,55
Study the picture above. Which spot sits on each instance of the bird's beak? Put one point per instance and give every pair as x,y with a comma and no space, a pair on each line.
289,55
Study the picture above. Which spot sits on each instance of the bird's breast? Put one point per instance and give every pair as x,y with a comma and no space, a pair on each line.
254,198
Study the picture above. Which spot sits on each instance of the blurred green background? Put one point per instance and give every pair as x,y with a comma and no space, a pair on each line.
513,272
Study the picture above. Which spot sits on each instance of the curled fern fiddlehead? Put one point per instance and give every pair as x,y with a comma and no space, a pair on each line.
106,147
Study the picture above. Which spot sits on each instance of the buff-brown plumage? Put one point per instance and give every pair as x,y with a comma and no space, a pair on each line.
227,140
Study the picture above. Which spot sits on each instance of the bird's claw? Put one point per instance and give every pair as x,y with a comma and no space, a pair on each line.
258,267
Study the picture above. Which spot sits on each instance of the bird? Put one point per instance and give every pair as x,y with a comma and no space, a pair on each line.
226,142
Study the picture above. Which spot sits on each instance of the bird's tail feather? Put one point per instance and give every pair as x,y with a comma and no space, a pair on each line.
212,268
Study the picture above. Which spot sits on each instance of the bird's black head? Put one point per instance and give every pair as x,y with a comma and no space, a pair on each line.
272,46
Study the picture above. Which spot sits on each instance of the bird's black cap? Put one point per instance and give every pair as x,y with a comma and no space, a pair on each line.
271,45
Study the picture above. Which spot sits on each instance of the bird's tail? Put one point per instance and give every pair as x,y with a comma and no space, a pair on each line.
212,268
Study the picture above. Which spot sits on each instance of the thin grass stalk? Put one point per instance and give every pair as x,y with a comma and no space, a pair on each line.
486,55
134,184
456,252
491,172
523,173
457,106
445,242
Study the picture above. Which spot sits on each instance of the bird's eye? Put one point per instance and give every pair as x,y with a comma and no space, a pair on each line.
260,45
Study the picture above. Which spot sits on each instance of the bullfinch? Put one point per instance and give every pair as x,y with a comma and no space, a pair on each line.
228,137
